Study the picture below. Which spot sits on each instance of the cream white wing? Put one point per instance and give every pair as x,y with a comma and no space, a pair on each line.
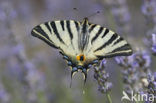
104,43
62,35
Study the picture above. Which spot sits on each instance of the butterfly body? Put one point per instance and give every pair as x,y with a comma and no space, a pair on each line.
82,44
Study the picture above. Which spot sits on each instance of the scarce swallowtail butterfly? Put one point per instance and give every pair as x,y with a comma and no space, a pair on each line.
82,44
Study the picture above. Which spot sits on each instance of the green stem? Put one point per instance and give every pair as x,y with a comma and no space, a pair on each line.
109,98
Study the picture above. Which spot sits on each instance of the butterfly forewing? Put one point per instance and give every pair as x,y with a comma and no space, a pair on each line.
59,34
106,43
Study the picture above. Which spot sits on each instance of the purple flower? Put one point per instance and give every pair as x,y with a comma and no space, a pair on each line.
149,10
146,59
152,83
7,11
121,14
150,41
4,95
150,90
102,77
153,48
134,69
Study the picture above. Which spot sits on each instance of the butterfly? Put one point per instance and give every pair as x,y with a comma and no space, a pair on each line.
82,44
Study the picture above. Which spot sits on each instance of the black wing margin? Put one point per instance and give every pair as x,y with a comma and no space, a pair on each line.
39,33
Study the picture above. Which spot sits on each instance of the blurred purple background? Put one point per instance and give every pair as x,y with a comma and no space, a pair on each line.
33,72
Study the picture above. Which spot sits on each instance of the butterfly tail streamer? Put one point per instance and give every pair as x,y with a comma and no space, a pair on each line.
71,82
84,71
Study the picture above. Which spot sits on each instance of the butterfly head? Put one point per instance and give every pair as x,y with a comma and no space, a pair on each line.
85,21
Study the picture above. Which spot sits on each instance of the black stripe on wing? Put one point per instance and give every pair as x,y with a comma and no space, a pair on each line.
39,33
124,50
53,25
62,24
119,40
105,33
114,36
77,25
48,27
97,34
113,55
69,29
92,27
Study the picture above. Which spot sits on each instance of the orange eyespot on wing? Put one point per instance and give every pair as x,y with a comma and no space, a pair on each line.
80,57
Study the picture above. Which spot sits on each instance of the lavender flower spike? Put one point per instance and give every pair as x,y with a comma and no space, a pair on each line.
154,44
102,77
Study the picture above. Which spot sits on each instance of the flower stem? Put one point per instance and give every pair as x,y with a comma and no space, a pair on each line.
109,98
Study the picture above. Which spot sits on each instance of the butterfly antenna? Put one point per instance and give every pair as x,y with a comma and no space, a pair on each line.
75,9
97,12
